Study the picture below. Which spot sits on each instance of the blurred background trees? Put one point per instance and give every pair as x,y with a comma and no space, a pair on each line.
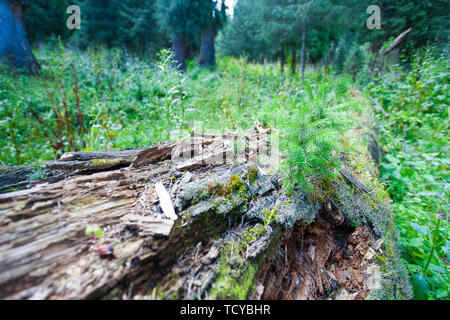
297,32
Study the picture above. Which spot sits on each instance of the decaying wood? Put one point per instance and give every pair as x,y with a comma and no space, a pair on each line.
396,42
165,222
154,154
165,202
351,179
111,154
385,51
44,251
14,178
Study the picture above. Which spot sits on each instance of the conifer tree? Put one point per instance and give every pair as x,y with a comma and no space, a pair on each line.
46,18
241,34
138,29
184,20
355,61
341,55
214,18
100,20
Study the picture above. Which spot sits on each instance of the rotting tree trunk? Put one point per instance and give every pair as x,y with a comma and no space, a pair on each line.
333,54
15,49
207,56
179,52
231,215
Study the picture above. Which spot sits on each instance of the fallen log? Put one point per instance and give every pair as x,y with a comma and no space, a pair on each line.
396,42
151,231
352,180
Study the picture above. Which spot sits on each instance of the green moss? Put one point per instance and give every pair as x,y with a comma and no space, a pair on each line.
232,286
252,174
381,260
251,234
234,184
235,277
103,162
269,216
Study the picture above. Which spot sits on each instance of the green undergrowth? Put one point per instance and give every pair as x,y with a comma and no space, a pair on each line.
414,127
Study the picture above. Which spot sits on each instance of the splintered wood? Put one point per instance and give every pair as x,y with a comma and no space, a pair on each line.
45,252
163,216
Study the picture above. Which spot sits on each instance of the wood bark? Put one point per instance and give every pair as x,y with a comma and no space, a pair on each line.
164,233
15,49
179,52
384,52
303,62
207,56
294,62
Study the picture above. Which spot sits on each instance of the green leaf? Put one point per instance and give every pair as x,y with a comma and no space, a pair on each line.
421,287
94,229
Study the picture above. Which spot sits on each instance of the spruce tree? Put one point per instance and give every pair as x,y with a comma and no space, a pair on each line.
184,20
341,56
241,34
46,18
213,20
138,29
100,19
355,61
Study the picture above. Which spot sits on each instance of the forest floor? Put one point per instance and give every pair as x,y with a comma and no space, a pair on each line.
96,100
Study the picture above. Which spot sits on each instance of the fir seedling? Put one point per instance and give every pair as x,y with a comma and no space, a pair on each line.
311,140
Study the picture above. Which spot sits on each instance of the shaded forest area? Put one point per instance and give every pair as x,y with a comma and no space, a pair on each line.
319,71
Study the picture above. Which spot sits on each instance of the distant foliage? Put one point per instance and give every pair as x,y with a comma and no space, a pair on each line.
355,61
46,19
341,56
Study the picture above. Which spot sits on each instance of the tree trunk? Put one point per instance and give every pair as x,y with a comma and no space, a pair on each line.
15,49
163,227
282,60
167,223
179,51
333,53
294,62
303,52
207,56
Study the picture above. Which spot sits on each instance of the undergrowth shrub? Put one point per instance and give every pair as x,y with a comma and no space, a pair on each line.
313,138
414,132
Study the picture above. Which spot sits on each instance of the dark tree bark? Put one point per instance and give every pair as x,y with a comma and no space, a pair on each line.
333,53
294,61
282,60
207,56
303,51
15,49
179,52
